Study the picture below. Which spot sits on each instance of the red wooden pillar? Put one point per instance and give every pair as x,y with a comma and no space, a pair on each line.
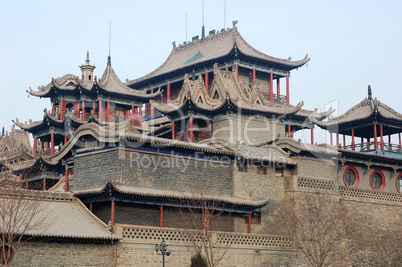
44,184
237,72
35,147
191,129
108,111
140,112
253,76
83,110
66,179
26,185
52,141
330,137
287,90
173,131
226,69
161,217
100,110
65,138
271,86
249,223
375,137
278,90
400,143
382,139
312,136
90,206
168,89
151,107
112,214
207,82
61,109
133,109
207,219
353,139
77,109
344,141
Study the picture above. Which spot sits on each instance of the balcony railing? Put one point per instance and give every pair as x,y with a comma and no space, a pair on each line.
370,147
174,236
282,98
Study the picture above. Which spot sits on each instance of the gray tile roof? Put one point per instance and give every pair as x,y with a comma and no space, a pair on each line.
63,216
210,48
297,147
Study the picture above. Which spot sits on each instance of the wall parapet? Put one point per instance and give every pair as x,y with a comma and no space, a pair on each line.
369,194
174,236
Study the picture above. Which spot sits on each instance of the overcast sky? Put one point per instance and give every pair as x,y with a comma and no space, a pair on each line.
351,44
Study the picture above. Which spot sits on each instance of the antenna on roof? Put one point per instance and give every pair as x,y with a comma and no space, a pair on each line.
224,16
109,60
203,28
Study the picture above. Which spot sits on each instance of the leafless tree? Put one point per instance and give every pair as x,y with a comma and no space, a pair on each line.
202,218
114,249
316,223
18,216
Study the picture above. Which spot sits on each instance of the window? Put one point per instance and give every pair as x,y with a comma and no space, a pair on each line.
377,180
399,183
278,172
242,166
261,170
351,177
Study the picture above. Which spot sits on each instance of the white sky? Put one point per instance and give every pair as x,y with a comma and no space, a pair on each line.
351,44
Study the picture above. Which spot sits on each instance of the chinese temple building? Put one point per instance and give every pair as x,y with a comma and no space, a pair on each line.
210,129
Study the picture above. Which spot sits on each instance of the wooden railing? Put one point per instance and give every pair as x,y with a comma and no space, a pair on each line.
370,147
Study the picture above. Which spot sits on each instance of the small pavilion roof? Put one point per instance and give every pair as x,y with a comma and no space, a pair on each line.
60,215
109,83
362,116
211,48
28,164
225,91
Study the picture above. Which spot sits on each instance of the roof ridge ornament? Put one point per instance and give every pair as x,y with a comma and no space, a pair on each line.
234,30
109,61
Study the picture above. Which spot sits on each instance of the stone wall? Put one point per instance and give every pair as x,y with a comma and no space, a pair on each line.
55,254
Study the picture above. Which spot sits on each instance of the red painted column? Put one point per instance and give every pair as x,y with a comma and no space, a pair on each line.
26,185
83,110
344,141
140,112
133,109
375,137
112,214
237,72
52,141
44,184
173,131
61,109
150,106
400,143
226,69
168,91
191,129
253,76
108,111
66,179
100,110
35,147
161,217
330,136
382,139
312,136
271,86
353,139
287,90
207,82
90,206
278,90
65,138
207,219
249,223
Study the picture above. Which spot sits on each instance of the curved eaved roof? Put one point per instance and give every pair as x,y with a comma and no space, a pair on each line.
210,48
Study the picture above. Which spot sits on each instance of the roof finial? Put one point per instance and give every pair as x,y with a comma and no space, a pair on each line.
87,60
370,97
109,61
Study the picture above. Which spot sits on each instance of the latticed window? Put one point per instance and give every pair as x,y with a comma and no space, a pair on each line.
377,181
399,184
350,177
